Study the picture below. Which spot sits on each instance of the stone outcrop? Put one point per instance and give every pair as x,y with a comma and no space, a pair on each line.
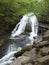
44,51
36,54
31,54
46,35
43,60
42,44
23,60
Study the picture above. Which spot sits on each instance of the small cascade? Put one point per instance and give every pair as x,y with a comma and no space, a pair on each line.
12,47
20,27
34,26
7,59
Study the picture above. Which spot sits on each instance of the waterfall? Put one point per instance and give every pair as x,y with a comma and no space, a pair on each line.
20,27
9,58
34,26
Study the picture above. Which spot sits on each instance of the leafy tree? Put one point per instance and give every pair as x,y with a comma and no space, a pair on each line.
11,11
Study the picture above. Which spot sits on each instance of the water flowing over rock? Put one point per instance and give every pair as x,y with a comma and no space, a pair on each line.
20,27
7,59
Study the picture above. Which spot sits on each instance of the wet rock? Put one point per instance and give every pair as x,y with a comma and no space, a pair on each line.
26,48
43,60
31,54
22,60
30,47
29,64
44,51
25,53
46,35
42,43
20,37
43,25
39,39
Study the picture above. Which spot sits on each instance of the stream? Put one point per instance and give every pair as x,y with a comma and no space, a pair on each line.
17,40
14,44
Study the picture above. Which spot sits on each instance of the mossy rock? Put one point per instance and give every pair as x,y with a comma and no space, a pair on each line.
26,48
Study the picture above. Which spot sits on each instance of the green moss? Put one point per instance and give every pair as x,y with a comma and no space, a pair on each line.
26,48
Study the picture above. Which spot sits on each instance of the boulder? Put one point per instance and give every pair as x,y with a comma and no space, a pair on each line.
23,60
42,44
26,48
44,51
43,60
25,53
31,54
30,47
46,35
28,64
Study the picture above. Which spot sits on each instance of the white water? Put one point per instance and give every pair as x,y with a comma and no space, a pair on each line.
28,18
9,58
20,28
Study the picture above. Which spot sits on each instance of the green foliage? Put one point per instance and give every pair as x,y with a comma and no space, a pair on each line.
11,11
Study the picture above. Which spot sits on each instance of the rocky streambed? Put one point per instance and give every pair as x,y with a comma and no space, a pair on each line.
36,54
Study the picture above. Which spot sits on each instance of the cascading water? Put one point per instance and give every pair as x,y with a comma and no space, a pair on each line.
19,29
34,26
21,26
28,18
7,58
